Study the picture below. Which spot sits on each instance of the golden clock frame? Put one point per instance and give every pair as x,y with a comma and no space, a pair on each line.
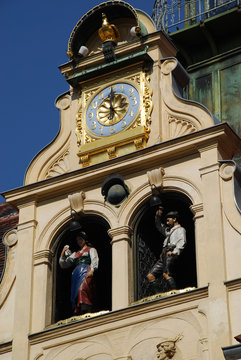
93,149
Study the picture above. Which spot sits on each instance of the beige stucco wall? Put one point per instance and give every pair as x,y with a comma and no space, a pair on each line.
186,145
42,218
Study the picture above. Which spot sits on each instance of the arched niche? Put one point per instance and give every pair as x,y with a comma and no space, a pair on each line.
96,228
148,244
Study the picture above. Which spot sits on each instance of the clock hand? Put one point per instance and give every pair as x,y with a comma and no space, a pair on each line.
111,96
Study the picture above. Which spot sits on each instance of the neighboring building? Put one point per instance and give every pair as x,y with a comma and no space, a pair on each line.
207,35
128,139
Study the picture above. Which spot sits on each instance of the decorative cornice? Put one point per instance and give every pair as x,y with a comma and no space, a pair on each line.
122,233
207,147
27,224
6,347
232,285
150,157
43,257
209,168
197,210
187,300
162,295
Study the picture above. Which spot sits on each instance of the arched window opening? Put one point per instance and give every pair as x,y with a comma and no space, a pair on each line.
96,229
148,245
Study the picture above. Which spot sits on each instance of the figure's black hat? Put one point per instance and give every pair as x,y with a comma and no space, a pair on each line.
172,214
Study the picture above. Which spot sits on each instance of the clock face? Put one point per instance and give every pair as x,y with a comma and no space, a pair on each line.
112,109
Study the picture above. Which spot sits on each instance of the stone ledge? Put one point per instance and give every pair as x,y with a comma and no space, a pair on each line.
5,347
123,317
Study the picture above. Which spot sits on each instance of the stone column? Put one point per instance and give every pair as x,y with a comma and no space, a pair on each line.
201,244
42,290
24,280
214,264
121,267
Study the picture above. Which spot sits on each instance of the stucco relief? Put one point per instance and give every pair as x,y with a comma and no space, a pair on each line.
167,349
60,166
180,336
155,177
179,127
76,201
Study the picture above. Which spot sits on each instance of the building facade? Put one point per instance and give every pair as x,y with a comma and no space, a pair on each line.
127,134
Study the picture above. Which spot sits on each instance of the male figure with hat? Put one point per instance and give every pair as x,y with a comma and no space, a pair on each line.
174,243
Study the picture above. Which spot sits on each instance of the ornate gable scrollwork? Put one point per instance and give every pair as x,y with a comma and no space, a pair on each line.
179,116
60,166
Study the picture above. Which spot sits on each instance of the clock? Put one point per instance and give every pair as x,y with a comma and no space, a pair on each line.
112,109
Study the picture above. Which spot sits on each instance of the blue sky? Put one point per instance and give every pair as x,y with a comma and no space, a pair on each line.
34,36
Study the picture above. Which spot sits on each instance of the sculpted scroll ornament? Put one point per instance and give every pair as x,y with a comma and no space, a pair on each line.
10,238
77,201
155,177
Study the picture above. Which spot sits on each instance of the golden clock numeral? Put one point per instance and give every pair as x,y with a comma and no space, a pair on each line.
131,113
122,88
112,130
90,115
93,125
101,95
131,91
101,130
93,105
113,87
123,123
135,102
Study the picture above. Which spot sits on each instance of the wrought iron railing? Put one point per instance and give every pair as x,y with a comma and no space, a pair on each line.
174,15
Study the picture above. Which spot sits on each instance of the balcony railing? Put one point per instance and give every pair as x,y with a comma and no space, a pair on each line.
174,15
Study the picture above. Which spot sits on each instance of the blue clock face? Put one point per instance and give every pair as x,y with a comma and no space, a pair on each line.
112,109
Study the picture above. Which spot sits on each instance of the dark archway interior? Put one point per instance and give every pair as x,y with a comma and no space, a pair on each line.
96,229
148,245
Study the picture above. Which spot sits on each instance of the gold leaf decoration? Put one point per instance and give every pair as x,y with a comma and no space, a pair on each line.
110,112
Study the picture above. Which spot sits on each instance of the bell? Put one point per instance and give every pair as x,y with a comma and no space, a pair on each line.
75,225
155,201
